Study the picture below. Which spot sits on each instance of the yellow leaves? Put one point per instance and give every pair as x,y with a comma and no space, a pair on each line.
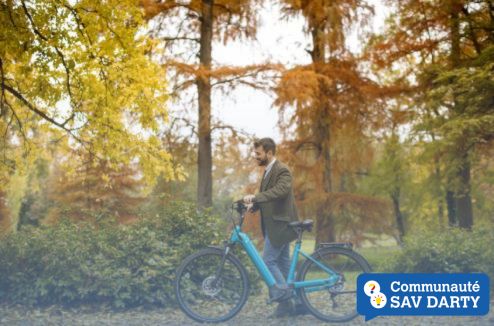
83,65
154,162
105,177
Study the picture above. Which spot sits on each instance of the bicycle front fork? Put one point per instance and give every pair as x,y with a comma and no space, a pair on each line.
219,270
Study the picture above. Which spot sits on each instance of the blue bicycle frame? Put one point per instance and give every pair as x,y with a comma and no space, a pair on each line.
238,236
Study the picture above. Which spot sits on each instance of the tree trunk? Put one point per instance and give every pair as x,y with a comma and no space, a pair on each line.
462,193
5,218
438,188
204,160
463,198
440,212
400,224
451,205
455,33
325,218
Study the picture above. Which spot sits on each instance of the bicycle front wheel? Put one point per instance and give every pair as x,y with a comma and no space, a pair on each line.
205,295
336,302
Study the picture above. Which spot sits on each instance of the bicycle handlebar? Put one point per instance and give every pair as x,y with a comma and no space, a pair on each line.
239,206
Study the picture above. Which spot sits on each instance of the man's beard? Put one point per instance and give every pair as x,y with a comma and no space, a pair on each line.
262,162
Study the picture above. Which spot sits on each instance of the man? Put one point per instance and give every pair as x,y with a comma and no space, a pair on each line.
277,205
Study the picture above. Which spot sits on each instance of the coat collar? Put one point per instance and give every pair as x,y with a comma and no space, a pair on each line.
270,165
267,179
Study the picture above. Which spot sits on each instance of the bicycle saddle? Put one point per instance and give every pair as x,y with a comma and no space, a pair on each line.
306,225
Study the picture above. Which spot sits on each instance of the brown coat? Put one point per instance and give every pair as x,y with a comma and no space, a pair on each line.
277,205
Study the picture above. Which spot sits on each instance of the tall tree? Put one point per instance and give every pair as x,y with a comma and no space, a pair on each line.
442,47
204,155
391,177
331,96
81,68
93,190
193,26
231,170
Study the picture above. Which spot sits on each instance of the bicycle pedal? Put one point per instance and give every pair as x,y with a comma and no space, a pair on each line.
279,299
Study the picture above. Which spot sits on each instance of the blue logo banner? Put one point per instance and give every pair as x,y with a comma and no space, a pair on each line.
422,294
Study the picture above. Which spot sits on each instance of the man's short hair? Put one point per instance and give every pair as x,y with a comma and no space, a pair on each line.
267,145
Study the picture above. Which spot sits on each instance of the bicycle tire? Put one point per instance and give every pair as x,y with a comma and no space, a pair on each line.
187,266
330,253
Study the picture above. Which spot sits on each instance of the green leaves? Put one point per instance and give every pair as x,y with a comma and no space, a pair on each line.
125,265
454,251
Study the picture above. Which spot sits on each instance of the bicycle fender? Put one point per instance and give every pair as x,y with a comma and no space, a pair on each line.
346,245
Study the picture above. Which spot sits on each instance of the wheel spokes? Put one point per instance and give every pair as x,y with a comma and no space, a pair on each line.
336,302
206,296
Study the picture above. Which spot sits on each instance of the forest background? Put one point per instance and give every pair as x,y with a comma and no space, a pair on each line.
114,156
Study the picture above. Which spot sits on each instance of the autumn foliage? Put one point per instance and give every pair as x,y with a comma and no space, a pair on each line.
385,131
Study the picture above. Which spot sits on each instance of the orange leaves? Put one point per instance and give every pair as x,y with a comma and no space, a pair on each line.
95,189
298,86
358,216
225,76
364,206
232,18
419,32
252,225
153,8
332,18
337,84
384,53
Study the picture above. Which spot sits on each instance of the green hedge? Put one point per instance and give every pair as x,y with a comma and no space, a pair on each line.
450,251
124,265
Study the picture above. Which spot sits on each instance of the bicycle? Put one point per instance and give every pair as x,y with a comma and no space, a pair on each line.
212,285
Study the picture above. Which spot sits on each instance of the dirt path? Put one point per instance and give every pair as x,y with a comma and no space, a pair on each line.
254,313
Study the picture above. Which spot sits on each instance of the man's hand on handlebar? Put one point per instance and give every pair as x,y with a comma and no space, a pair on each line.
249,199
249,207
249,202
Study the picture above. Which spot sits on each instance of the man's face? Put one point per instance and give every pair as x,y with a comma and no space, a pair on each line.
262,157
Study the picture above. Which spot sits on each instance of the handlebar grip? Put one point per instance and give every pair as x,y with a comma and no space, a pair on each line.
239,206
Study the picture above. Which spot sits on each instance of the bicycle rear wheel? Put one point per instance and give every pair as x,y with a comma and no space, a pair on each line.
338,302
204,297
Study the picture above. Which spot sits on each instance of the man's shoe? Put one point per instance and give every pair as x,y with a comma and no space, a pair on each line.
279,293
284,309
299,310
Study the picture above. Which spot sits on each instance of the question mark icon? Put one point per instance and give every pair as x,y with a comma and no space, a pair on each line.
371,287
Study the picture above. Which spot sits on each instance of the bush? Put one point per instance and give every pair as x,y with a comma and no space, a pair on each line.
125,265
451,251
